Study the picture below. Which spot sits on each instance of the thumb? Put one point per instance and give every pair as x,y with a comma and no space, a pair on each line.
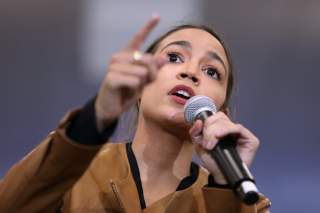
195,132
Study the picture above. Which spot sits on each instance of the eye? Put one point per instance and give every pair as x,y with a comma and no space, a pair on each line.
174,58
212,72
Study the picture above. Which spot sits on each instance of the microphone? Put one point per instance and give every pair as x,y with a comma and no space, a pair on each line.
224,153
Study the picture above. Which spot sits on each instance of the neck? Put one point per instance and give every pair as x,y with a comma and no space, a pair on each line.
160,154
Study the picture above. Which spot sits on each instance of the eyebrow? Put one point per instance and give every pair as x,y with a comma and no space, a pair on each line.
187,44
215,56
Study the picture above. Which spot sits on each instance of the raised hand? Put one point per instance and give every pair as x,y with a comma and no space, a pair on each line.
129,71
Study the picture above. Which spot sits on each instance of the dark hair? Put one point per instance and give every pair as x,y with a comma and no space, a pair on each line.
152,48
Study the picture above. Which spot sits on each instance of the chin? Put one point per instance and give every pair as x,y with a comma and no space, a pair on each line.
176,127
164,116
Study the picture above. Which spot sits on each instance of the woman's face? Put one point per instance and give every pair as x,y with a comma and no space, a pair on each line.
197,65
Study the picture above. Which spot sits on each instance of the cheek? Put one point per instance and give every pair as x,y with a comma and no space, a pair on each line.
155,94
217,94
154,91
161,85
154,101
167,72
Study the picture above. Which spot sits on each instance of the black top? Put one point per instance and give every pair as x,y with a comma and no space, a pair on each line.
185,182
82,129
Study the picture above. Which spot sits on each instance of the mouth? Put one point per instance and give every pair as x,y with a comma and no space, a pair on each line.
181,93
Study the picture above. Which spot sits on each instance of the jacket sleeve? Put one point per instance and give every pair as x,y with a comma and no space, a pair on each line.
39,181
224,200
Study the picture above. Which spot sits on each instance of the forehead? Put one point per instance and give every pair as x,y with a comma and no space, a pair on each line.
199,39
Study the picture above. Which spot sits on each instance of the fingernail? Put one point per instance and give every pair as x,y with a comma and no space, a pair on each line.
155,15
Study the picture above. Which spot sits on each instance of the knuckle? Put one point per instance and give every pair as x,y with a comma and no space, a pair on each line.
220,114
239,126
209,121
114,58
147,57
211,133
149,67
219,132
110,82
150,61
257,141
206,135
112,67
144,71
110,76
136,82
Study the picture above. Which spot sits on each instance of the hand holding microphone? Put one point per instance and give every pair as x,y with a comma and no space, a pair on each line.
230,147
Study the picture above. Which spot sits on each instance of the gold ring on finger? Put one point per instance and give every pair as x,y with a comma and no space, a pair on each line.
137,55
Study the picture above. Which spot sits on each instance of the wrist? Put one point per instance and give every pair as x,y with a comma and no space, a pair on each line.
82,128
103,121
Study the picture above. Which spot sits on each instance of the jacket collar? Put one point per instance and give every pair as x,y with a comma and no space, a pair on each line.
119,189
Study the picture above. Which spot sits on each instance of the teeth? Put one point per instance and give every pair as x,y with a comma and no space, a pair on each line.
184,93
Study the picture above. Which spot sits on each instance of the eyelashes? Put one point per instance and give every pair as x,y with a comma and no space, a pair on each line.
175,58
211,72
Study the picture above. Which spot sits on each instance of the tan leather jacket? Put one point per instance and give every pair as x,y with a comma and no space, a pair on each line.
63,176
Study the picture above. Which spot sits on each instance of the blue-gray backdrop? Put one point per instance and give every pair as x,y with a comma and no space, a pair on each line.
275,46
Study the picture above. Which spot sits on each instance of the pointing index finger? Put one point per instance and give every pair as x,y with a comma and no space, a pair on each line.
143,33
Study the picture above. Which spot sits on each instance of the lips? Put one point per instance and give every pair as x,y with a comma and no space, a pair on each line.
181,93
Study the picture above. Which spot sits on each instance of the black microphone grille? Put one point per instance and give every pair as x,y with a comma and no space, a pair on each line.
196,105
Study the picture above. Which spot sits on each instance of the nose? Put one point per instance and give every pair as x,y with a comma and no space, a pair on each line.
190,76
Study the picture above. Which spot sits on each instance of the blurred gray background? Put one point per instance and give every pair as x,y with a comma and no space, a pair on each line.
53,55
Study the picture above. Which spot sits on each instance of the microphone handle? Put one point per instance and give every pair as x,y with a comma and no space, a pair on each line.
234,170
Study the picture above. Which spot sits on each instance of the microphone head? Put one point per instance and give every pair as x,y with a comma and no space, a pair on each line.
196,105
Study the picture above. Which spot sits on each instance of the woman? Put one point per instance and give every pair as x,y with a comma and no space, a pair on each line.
154,173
